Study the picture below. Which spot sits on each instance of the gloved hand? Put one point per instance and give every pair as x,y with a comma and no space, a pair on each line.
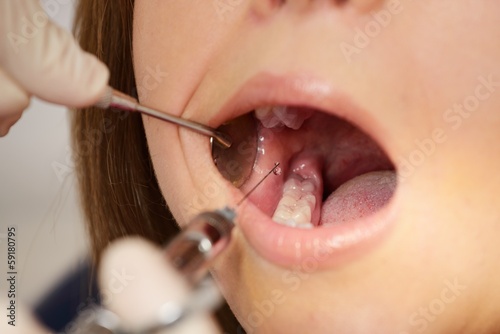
38,58
135,281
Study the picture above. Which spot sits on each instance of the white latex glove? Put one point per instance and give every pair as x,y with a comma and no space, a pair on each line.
38,58
136,282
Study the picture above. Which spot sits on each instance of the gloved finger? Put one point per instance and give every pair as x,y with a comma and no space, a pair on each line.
45,59
136,281
13,101
19,321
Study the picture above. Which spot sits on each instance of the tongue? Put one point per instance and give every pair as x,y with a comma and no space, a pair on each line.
358,197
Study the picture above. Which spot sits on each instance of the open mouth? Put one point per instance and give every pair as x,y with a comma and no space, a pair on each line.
334,188
332,172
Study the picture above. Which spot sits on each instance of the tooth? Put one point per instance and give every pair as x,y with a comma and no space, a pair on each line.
263,112
267,117
290,200
310,199
277,116
293,223
282,216
302,215
297,204
292,184
307,186
292,117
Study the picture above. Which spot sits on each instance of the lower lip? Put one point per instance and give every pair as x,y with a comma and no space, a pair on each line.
317,248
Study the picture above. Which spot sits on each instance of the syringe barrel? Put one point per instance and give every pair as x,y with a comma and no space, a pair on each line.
195,248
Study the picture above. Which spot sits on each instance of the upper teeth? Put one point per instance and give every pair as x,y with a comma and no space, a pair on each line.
277,116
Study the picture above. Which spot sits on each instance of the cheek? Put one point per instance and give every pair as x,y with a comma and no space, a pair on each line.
428,59
172,48
173,44
188,178
165,152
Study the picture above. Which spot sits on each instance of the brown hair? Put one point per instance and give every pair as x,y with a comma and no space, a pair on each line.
119,191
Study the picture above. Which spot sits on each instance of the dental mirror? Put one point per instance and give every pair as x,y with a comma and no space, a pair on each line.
236,162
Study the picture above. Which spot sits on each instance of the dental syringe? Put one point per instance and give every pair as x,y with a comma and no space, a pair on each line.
191,253
206,236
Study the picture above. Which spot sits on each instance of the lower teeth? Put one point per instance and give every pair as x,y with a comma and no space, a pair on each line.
297,203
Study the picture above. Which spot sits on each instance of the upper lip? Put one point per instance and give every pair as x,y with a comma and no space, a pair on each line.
282,244
266,89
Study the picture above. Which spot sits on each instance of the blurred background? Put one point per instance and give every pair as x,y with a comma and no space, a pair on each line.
38,191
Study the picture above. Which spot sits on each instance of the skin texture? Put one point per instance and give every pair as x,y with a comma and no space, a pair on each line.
426,60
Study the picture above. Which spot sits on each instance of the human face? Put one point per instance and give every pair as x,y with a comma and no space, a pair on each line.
404,251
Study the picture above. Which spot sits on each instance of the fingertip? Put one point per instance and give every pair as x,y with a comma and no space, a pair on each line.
93,82
136,281
6,123
14,101
53,67
83,78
